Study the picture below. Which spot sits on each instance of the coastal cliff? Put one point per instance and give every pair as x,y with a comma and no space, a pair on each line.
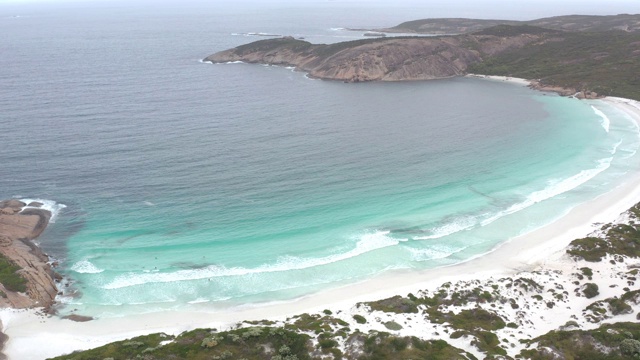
27,277
388,59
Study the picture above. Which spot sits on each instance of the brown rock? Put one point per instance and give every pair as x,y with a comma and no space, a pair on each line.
16,232
5,241
12,203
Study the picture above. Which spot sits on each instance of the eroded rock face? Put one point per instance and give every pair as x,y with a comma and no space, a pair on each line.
17,228
390,59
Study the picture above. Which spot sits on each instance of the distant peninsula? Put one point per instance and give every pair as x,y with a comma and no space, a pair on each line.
581,54
584,23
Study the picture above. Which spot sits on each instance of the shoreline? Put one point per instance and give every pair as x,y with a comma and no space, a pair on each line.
527,253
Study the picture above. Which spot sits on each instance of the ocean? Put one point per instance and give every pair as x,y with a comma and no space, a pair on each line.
178,183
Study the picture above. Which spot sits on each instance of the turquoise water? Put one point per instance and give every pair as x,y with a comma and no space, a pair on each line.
297,217
236,184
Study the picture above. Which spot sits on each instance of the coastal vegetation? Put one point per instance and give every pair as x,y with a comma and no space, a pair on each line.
269,343
616,242
622,22
247,343
611,342
10,277
607,63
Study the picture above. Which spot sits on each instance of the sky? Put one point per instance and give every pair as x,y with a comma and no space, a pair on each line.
487,9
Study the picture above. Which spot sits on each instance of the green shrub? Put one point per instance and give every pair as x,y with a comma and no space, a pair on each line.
360,319
327,343
9,277
209,342
473,319
396,304
587,272
619,306
590,290
392,325
630,347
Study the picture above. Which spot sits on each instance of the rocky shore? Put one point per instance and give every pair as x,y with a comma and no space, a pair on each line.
564,91
20,223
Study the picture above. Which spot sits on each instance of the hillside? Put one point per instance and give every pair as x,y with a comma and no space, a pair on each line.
386,59
623,22
607,62
604,62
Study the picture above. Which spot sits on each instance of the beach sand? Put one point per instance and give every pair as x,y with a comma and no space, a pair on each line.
541,249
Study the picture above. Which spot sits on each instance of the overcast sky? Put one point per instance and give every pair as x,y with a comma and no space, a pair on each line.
502,9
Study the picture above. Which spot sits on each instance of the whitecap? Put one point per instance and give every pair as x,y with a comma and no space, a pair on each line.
86,267
53,207
198,301
460,224
366,243
605,122
433,253
615,147
631,154
553,189
261,34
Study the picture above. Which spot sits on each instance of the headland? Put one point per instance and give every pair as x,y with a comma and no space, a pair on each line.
591,55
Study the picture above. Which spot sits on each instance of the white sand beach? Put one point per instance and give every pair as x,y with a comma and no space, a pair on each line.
539,254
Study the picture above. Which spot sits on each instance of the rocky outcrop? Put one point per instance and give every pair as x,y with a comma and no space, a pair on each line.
389,59
18,227
565,91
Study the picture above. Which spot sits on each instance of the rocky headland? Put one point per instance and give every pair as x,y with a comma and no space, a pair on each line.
28,279
386,59
587,58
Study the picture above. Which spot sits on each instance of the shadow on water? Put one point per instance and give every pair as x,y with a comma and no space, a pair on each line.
69,221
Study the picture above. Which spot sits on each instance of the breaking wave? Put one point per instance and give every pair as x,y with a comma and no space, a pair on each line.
366,243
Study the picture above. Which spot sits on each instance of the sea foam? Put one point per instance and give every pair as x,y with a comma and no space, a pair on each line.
366,243
433,252
605,122
86,267
460,224
53,207
553,189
